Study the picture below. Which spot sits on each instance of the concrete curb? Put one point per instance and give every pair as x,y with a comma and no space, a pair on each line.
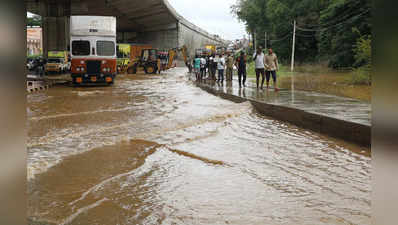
348,131
34,86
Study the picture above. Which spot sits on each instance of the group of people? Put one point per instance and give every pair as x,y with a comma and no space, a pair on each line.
266,65
206,67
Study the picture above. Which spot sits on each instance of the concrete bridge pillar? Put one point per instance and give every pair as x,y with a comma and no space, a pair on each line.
55,26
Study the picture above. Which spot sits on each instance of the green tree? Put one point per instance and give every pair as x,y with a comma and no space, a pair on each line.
344,21
33,21
324,27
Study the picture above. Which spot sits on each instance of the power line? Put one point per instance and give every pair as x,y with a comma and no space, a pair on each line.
315,30
281,39
331,23
302,35
328,27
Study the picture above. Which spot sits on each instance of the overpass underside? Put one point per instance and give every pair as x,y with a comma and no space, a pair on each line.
152,22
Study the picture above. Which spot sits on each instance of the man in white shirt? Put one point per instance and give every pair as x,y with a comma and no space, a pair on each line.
259,58
202,68
220,68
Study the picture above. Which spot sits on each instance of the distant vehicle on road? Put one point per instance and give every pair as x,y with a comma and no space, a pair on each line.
93,49
203,52
56,65
212,48
57,62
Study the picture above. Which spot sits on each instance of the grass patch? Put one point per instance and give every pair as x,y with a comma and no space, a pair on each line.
360,76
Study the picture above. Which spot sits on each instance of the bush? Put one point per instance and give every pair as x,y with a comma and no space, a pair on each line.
363,51
363,59
361,76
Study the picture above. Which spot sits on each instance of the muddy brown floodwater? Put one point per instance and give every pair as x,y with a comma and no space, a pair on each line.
159,150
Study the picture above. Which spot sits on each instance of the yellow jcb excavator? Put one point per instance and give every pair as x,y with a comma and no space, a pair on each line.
152,61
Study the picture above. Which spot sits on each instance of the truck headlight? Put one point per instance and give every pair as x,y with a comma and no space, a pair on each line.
82,69
78,69
104,69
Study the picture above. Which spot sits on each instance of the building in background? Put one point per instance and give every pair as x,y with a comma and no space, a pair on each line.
34,40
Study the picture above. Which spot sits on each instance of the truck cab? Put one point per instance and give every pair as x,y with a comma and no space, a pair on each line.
93,50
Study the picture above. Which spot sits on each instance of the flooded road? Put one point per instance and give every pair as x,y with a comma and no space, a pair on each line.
159,150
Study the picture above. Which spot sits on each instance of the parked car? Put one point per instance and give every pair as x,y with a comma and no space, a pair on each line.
56,65
29,64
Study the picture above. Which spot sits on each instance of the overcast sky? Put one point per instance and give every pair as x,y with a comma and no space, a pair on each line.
214,16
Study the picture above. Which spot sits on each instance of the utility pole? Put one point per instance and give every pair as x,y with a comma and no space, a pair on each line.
265,44
293,47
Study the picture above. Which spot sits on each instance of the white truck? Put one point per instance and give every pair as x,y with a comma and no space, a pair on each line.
93,49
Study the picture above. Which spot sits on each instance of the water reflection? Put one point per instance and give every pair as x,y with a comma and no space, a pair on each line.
242,92
292,89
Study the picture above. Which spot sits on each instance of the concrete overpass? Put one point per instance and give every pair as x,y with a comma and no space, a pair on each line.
153,22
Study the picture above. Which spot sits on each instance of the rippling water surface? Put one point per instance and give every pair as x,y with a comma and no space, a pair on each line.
158,150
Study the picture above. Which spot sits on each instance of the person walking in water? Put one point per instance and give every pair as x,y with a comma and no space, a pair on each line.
189,64
259,60
241,65
230,67
271,63
197,66
202,68
220,67
210,66
214,67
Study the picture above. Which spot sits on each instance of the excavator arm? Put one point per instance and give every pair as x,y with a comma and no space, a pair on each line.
172,54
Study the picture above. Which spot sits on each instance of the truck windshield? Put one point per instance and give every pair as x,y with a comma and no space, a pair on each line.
105,48
80,48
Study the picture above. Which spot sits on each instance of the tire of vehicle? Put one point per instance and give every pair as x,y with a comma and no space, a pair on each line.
132,70
150,69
